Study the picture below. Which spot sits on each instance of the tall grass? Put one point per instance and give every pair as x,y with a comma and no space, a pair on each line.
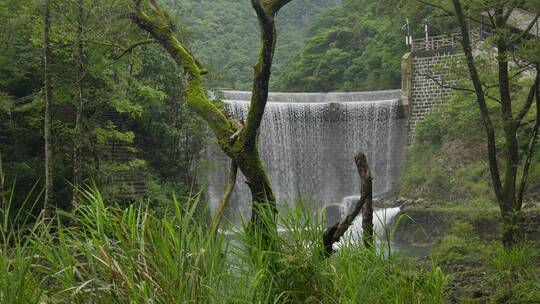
516,270
508,275
111,255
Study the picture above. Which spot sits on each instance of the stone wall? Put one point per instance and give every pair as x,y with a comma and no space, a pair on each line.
427,81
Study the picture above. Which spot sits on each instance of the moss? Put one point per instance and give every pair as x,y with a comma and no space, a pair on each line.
195,94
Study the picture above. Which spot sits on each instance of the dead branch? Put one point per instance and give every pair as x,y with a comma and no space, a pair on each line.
334,233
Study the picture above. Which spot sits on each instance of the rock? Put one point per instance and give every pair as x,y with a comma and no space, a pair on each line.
333,215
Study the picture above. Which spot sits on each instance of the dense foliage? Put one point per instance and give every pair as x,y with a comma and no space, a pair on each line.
226,36
447,160
141,84
141,87
356,46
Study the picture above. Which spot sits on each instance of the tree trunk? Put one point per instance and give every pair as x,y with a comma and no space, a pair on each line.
367,191
508,197
77,145
242,151
513,228
264,209
334,233
48,113
508,204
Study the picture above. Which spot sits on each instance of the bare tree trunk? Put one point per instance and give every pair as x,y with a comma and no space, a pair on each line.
334,233
77,147
48,113
367,191
513,221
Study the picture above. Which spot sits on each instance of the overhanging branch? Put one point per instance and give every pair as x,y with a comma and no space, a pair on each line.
442,85
156,25
133,46
526,31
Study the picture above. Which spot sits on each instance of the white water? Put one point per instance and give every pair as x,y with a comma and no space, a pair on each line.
382,225
308,143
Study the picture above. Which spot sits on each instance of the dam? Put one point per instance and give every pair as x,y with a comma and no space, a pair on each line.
308,142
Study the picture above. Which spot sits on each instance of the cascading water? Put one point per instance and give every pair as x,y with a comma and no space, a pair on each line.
382,225
308,142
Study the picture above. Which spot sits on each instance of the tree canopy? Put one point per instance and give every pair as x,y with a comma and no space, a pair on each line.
357,46
225,35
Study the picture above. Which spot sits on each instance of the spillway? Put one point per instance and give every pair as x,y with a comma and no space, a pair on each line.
308,142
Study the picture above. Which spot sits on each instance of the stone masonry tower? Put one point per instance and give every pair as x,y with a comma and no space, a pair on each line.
426,78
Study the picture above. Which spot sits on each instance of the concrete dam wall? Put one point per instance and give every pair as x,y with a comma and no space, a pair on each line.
308,142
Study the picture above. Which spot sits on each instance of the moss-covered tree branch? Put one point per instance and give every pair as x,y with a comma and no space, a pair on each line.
156,25
243,149
265,11
229,188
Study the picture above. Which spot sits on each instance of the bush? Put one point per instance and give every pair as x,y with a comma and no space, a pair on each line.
459,245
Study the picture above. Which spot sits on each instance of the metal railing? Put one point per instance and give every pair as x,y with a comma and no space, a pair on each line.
442,41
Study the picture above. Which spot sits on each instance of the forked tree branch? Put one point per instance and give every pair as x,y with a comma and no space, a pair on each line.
133,46
508,13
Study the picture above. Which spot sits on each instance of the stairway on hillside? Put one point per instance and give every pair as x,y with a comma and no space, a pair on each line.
128,176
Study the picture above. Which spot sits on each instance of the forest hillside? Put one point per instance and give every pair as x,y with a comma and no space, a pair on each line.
226,36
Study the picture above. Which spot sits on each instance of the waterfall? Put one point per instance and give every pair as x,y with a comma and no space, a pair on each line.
308,142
